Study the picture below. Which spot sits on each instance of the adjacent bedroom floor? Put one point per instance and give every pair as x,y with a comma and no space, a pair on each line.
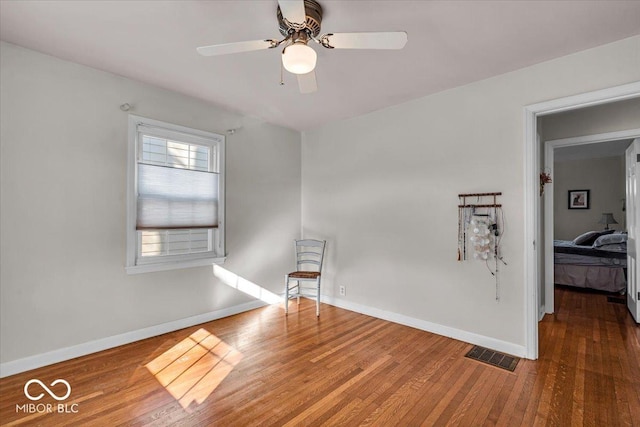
262,368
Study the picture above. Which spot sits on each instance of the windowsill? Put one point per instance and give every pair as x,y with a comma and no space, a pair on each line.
165,266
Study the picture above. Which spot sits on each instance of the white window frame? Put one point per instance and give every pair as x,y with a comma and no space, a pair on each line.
136,264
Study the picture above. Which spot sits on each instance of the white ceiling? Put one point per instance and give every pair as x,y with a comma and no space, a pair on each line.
451,43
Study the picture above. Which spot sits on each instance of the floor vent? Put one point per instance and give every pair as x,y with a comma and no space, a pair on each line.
493,358
617,300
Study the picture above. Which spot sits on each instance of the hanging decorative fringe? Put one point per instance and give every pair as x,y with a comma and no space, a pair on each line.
480,230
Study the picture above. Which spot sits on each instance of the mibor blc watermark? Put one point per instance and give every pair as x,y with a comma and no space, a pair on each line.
30,392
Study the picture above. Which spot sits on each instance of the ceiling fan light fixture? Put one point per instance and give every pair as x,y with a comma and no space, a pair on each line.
299,58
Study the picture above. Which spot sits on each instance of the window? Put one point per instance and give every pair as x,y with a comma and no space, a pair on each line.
175,207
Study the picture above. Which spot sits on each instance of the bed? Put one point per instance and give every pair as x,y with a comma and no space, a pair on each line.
593,260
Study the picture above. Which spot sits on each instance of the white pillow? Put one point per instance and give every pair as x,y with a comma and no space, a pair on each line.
610,239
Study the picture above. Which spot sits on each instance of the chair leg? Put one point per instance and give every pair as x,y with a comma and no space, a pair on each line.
298,285
318,299
286,294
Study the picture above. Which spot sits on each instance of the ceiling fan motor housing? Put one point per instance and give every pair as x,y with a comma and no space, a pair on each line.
313,12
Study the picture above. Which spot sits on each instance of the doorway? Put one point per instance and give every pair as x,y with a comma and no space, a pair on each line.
617,143
533,263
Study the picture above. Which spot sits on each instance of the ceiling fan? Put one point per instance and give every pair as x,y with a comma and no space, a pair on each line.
299,22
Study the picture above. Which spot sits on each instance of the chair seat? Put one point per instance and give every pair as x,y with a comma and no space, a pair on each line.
304,275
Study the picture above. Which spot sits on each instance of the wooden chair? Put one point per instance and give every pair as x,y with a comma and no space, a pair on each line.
309,256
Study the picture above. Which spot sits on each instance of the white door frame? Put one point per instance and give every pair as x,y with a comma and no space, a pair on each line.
532,268
632,215
549,154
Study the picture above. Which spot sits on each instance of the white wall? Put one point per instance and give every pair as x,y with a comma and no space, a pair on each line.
604,178
616,116
382,188
63,187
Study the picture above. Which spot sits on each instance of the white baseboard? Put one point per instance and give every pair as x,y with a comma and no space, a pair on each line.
60,355
541,313
458,334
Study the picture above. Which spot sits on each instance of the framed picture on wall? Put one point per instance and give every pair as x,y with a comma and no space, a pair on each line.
578,199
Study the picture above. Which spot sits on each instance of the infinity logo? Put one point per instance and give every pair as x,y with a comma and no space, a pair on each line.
52,394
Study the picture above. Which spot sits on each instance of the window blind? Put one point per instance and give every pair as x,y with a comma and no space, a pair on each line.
172,198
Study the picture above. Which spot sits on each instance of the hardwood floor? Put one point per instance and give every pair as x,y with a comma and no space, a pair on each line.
261,368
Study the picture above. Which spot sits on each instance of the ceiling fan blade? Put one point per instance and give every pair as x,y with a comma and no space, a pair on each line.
307,82
293,11
224,49
385,40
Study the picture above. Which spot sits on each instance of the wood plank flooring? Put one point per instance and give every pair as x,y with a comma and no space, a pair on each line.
261,368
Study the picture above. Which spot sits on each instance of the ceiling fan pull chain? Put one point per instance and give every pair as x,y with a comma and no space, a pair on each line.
281,74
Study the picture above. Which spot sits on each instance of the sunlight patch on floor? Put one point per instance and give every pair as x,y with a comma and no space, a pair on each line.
231,279
192,369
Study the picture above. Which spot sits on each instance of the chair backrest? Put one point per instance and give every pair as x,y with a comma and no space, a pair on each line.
309,254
